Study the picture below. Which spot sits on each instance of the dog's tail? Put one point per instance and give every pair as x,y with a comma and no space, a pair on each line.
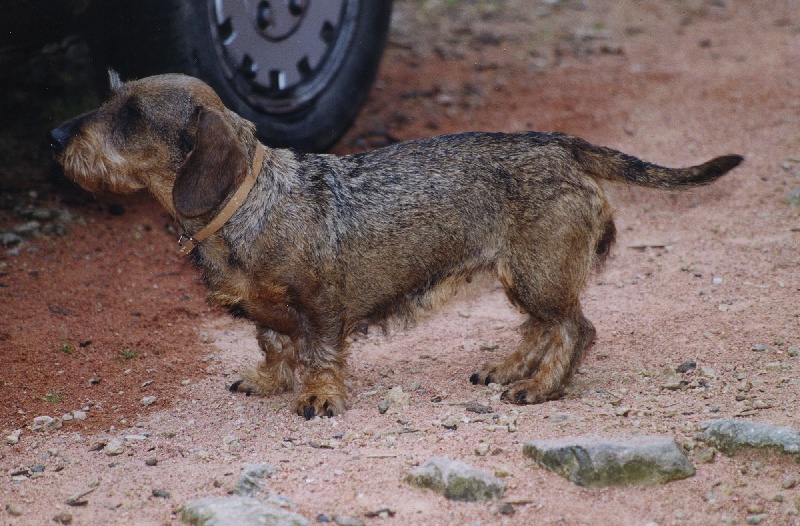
605,163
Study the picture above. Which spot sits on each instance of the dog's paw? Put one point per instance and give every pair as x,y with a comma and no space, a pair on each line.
528,392
323,394
258,382
496,374
310,406
241,386
248,387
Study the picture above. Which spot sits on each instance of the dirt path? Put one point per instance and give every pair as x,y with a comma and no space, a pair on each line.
99,319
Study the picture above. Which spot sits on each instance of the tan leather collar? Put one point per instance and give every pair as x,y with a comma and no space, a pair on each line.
189,242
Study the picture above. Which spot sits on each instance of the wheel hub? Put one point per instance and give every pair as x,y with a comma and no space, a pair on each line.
277,19
275,51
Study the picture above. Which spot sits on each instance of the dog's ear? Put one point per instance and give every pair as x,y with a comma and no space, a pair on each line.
114,82
212,169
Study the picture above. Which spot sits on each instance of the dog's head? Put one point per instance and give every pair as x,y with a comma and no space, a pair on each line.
170,134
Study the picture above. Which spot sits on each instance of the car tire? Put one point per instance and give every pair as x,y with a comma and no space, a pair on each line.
299,69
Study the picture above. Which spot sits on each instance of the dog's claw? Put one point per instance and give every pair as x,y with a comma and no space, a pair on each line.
322,406
308,410
475,379
520,397
235,387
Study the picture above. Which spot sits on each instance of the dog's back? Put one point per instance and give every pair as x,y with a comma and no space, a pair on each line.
542,151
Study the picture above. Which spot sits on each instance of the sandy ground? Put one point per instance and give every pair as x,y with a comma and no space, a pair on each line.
100,319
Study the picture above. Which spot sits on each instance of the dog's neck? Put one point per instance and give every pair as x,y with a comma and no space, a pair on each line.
188,241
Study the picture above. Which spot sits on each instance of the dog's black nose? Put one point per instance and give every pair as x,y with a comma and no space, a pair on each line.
57,139
60,137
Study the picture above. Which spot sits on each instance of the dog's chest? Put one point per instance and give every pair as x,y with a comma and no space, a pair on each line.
260,299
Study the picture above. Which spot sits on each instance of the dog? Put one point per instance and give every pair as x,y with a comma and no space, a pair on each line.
310,247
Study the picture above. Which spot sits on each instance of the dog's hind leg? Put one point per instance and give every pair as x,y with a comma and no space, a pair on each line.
543,275
548,350
558,347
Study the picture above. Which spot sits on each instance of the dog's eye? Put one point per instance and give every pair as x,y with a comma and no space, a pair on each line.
129,112
128,120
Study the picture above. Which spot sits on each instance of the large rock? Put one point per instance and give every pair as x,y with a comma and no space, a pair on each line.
238,511
456,480
730,435
622,461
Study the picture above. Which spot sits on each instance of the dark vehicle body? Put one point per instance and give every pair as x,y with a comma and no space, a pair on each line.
299,69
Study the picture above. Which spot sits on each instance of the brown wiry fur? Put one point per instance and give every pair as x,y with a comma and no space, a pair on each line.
323,244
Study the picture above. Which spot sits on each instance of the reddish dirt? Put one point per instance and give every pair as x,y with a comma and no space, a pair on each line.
706,275
94,315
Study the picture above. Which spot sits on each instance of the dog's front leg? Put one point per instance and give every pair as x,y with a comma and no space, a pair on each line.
277,372
323,392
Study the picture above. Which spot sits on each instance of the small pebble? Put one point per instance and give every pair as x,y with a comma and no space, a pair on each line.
344,520
63,518
13,438
114,447
45,423
707,372
161,494
151,462
686,366
482,449
13,510
475,407
506,509
673,383
147,401
394,398
450,422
